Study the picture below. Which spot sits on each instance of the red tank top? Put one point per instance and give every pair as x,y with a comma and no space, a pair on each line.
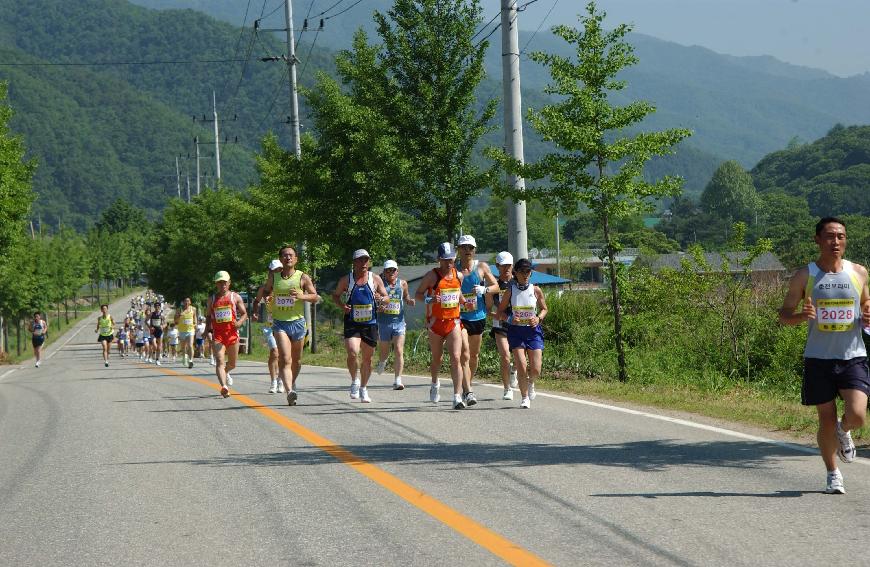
447,294
223,312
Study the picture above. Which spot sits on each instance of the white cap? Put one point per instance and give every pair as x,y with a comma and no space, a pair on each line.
361,253
503,258
390,264
466,239
275,264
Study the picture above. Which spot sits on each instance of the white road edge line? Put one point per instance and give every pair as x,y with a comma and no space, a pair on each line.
81,325
8,372
674,420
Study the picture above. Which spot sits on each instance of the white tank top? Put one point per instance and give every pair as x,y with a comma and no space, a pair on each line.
524,304
836,332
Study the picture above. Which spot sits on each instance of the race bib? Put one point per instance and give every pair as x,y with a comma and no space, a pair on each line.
285,301
223,314
470,302
835,315
393,306
523,314
450,298
187,321
362,313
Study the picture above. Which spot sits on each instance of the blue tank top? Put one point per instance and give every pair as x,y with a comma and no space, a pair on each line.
361,299
474,308
394,310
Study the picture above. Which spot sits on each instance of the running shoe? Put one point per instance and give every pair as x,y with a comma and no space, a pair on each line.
526,403
532,393
184,360
107,364
37,364
225,392
354,390
508,394
434,393
274,387
190,363
835,483
397,384
292,396
846,452
229,379
280,387
157,362
514,382
470,399
457,402
382,365
364,396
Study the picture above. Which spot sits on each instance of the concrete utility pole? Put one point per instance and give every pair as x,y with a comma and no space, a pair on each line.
196,145
177,178
291,68
558,250
217,144
513,124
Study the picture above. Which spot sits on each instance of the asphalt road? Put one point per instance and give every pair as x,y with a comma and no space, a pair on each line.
142,465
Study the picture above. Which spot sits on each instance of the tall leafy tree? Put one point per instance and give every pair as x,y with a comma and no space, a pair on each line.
421,84
730,194
16,173
600,164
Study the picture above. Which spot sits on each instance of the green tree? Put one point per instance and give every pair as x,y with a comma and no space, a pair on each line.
16,173
600,165
730,194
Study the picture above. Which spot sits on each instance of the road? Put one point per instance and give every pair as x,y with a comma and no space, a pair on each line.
143,465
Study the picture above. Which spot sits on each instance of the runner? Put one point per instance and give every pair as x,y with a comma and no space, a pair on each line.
106,331
275,385
525,336
173,341
200,339
140,341
38,332
185,320
122,340
146,334
504,262
391,322
476,277
835,303
359,294
157,320
226,313
288,288
441,288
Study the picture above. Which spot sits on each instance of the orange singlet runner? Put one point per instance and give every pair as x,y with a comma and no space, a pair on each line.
445,308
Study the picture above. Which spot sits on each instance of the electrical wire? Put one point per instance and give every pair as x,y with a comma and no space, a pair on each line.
116,63
343,11
278,90
553,7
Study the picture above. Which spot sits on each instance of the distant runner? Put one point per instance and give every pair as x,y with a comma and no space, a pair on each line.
391,322
835,302
38,332
226,313
476,277
185,320
275,385
528,307
441,288
358,295
505,264
106,331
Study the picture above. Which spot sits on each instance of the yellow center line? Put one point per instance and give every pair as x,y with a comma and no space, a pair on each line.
462,524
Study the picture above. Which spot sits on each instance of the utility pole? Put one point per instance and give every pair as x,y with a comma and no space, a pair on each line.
196,145
177,178
188,184
558,250
513,124
217,145
294,101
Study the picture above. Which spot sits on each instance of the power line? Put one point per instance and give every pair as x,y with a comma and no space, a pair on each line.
343,11
553,7
278,7
274,98
115,63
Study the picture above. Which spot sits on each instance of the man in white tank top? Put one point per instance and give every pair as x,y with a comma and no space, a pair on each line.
836,305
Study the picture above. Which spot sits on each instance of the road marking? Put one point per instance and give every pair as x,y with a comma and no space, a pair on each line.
7,373
463,525
71,337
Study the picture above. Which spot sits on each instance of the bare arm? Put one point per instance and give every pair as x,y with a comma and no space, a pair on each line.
501,314
241,312
796,287
339,290
425,285
310,293
542,307
865,295
406,295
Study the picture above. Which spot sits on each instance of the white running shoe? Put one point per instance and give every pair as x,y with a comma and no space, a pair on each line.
532,393
292,396
508,394
470,399
158,362
364,396
273,387
397,384
211,361
457,402
354,389
280,387
37,364
846,452
434,394
107,364
514,382
835,483
526,403
382,365
229,379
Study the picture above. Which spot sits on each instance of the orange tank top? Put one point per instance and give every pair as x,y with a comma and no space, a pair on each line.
447,293
223,312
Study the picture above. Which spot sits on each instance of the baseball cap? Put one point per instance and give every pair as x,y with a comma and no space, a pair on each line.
222,276
275,264
390,264
361,253
467,239
503,258
446,251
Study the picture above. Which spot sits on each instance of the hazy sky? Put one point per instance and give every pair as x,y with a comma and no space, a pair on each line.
833,35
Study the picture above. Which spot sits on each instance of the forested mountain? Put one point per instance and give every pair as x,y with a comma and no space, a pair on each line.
832,173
